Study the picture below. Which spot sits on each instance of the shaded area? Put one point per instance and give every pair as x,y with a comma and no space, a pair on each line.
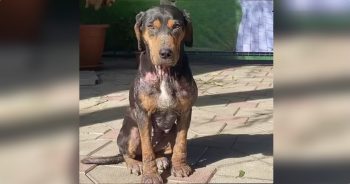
225,146
321,171
232,97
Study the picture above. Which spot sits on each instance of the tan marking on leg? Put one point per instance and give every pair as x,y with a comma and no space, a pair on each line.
180,168
180,147
148,156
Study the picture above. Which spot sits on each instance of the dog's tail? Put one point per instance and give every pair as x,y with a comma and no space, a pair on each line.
103,160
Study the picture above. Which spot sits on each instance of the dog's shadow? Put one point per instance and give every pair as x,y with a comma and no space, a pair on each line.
203,151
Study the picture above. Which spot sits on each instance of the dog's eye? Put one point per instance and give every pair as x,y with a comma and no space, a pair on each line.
150,26
176,26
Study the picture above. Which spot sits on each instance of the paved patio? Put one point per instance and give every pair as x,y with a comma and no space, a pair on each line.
230,138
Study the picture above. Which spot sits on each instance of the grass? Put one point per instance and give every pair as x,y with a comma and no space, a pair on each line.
215,22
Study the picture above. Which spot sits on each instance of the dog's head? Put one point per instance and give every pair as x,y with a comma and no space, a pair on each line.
162,31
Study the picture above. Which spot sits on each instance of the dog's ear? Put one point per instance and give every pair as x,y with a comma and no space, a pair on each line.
189,29
137,29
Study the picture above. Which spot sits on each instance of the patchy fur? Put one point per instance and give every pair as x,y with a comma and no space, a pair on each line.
161,98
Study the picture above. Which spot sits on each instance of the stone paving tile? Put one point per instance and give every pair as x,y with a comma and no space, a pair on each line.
88,92
223,157
249,79
191,135
195,152
112,174
108,150
115,103
266,127
110,135
252,112
88,137
102,115
83,179
268,160
268,104
200,175
94,129
85,168
261,143
211,128
230,90
91,102
115,124
220,109
253,170
244,104
241,129
214,141
263,122
231,120
217,125
204,101
229,162
88,147
223,99
225,179
200,116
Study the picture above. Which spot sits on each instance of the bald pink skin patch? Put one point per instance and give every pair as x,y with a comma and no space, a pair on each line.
150,77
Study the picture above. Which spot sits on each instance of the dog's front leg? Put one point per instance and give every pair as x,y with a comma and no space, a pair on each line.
180,168
150,171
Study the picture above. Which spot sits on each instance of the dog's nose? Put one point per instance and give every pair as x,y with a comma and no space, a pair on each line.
165,53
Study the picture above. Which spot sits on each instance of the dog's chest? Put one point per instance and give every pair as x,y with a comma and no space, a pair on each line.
166,96
165,93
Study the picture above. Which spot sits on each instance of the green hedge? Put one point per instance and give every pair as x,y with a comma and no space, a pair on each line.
215,22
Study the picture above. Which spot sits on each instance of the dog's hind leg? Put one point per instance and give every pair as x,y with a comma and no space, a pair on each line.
129,143
133,150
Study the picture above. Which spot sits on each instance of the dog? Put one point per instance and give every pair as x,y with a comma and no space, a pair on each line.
97,4
161,97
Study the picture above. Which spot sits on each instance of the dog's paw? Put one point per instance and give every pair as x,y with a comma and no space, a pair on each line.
182,170
152,179
162,163
135,167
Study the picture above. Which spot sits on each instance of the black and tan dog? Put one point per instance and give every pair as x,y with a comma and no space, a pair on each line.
161,98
